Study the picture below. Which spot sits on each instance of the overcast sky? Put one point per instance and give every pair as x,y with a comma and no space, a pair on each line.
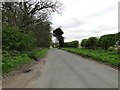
85,18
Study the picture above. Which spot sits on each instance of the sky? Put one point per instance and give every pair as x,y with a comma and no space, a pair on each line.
82,19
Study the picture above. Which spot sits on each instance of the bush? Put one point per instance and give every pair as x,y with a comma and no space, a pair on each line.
91,43
106,41
13,39
84,43
73,44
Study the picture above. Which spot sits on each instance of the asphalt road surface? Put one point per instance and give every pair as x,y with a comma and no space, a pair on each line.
66,70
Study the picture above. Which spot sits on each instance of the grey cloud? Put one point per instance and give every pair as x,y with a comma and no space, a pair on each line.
102,12
76,29
74,22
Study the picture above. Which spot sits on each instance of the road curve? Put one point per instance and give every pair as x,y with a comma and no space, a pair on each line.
66,70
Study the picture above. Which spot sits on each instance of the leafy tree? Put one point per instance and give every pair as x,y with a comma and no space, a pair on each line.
91,43
43,34
58,34
31,21
29,12
84,43
117,38
73,44
13,39
106,41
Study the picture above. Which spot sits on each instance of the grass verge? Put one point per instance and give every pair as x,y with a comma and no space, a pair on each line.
108,57
13,60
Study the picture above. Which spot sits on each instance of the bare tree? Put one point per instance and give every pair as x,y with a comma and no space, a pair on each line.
29,11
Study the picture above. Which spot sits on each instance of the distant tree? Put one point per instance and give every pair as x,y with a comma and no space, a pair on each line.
58,34
91,43
73,44
117,38
106,41
84,43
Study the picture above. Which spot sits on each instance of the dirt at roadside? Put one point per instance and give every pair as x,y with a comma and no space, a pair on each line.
22,79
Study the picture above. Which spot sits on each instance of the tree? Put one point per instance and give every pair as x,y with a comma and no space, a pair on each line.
91,43
29,12
84,43
106,41
31,19
117,38
73,44
43,34
58,34
13,39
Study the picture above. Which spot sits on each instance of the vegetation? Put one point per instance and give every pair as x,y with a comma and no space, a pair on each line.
108,57
91,43
107,40
73,44
104,49
104,42
37,53
13,39
26,26
58,34
12,60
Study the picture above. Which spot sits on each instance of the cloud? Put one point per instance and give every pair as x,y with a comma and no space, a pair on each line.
86,18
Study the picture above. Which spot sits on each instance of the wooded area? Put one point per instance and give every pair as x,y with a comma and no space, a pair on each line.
108,41
26,29
26,25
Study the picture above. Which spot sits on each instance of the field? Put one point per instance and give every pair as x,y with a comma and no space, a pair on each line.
12,60
108,57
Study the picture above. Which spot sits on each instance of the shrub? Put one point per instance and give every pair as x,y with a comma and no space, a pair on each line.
73,44
106,41
91,43
13,39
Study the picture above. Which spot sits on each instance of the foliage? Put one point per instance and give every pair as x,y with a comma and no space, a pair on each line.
31,20
83,43
28,12
35,54
72,44
14,59
58,34
108,57
43,34
13,39
10,62
26,25
90,43
106,41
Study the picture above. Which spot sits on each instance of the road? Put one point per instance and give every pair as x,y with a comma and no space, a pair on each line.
66,70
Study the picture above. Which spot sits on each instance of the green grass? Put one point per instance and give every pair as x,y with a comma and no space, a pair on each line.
108,57
38,53
13,60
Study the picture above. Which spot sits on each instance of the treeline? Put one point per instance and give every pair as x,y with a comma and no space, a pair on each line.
26,25
104,42
26,31
73,44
